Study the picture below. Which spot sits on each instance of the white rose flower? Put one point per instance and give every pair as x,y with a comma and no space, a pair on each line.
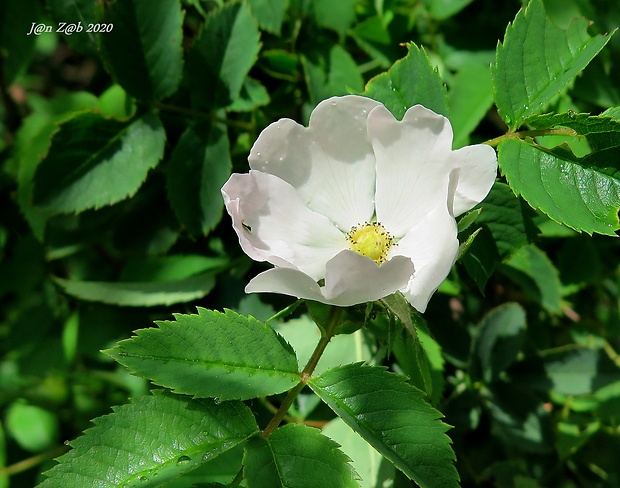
357,205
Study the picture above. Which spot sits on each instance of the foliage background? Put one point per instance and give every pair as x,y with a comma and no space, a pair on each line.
114,147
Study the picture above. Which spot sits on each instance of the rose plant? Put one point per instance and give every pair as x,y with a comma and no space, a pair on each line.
420,283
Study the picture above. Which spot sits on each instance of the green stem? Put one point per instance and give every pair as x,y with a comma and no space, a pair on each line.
31,462
334,320
196,114
238,479
531,133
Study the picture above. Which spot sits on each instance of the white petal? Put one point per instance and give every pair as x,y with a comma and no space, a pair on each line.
478,172
432,245
274,225
330,163
350,279
286,281
413,168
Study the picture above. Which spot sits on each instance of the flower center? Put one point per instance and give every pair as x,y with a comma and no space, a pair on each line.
372,240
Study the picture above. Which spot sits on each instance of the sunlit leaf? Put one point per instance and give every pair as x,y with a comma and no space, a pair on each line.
152,440
537,60
394,418
212,354
581,193
409,81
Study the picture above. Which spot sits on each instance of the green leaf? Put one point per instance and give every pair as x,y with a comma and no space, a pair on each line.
444,9
212,354
409,81
411,320
83,11
377,39
579,262
469,218
170,268
481,258
581,193
253,95
225,50
151,440
330,71
33,139
499,341
4,478
269,14
297,456
34,428
394,418
469,98
17,18
612,112
506,225
115,102
423,362
199,166
575,371
537,60
94,161
280,64
520,418
141,294
338,16
144,50
373,469
534,272
601,132
508,219
572,436
216,473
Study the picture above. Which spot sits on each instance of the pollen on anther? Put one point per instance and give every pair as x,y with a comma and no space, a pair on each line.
370,239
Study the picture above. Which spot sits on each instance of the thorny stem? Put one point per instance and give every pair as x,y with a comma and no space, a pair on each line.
326,336
531,133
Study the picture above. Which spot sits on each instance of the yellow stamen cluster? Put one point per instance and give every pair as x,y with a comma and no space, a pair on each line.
372,240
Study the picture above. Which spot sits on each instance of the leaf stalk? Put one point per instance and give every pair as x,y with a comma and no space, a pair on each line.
335,317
